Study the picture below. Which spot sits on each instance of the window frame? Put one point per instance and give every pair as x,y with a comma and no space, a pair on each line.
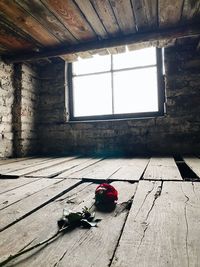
160,88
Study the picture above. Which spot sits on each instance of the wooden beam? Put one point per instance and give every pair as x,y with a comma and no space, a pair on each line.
139,37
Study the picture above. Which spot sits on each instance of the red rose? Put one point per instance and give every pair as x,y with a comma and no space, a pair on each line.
105,193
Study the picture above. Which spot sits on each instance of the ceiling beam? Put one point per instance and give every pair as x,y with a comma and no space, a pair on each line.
139,37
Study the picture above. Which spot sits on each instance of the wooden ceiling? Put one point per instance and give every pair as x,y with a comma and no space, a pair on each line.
31,29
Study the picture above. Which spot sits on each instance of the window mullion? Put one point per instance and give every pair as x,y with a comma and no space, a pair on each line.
112,86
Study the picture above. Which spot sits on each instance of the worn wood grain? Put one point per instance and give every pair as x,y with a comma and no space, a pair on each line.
140,15
11,197
10,184
43,223
53,171
47,19
191,10
151,11
18,165
162,169
131,169
11,160
71,17
27,23
80,167
31,167
12,41
89,12
26,206
96,247
169,12
102,170
124,15
6,21
139,37
194,164
163,227
105,12
81,247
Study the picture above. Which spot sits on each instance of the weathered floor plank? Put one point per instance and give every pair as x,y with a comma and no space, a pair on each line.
11,197
162,169
25,206
5,161
101,170
54,171
18,165
10,184
42,223
35,167
132,169
163,227
72,172
110,168
80,247
194,164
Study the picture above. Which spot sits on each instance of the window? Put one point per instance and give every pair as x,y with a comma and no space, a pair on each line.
117,86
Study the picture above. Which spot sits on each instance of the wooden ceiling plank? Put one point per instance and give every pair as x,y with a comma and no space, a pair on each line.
151,11
169,12
47,19
19,32
67,12
140,15
191,9
124,15
140,37
91,15
12,41
27,23
105,12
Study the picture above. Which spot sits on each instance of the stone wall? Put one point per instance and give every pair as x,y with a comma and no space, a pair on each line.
6,102
19,86
176,132
30,88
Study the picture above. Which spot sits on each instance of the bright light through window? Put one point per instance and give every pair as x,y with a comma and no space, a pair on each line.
110,85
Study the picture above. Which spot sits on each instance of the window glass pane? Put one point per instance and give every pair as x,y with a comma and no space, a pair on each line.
92,95
136,58
135,91
91,65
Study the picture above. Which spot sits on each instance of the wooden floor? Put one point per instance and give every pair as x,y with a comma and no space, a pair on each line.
161,228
